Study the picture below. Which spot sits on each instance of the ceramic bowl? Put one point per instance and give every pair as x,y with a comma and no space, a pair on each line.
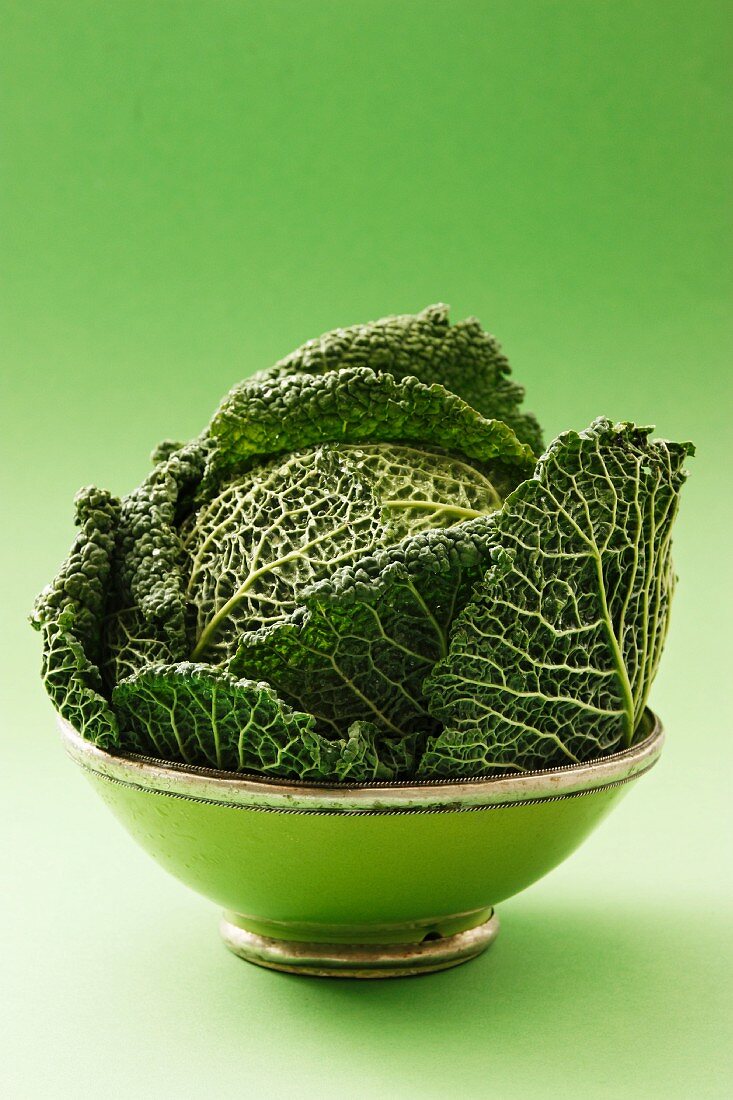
364,880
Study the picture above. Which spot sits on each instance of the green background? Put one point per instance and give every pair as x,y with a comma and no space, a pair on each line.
189,190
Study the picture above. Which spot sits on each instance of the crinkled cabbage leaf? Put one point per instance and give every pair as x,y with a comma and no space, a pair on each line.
552,660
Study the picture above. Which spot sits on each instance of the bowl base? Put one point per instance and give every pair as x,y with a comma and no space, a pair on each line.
360,960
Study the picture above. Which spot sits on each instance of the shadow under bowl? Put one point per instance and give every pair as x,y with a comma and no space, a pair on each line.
363,880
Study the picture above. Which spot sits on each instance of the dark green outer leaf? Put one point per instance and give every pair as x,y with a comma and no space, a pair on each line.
146,617
354,406
203,716
368,636
461,357
69,615
74,683
552,660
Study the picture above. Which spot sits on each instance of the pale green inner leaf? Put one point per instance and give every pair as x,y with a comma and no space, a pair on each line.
263,540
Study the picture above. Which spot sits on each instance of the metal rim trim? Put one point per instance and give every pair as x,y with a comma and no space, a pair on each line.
346,811
228,789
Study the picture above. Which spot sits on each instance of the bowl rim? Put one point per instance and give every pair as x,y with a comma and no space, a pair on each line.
236,790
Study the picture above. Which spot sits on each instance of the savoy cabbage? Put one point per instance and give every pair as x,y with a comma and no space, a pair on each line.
368,567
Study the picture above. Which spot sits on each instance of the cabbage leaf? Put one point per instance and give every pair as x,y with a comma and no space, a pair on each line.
259,420
364,639
202,715
551,661
461,357
265,539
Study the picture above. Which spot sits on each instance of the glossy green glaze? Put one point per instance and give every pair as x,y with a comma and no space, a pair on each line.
430,858
342,868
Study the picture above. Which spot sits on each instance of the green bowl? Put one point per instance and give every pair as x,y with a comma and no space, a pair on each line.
364,880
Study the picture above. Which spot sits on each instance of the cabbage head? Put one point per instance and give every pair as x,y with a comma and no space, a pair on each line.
368,566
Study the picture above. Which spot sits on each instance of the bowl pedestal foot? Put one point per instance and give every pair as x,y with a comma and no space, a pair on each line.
386,951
